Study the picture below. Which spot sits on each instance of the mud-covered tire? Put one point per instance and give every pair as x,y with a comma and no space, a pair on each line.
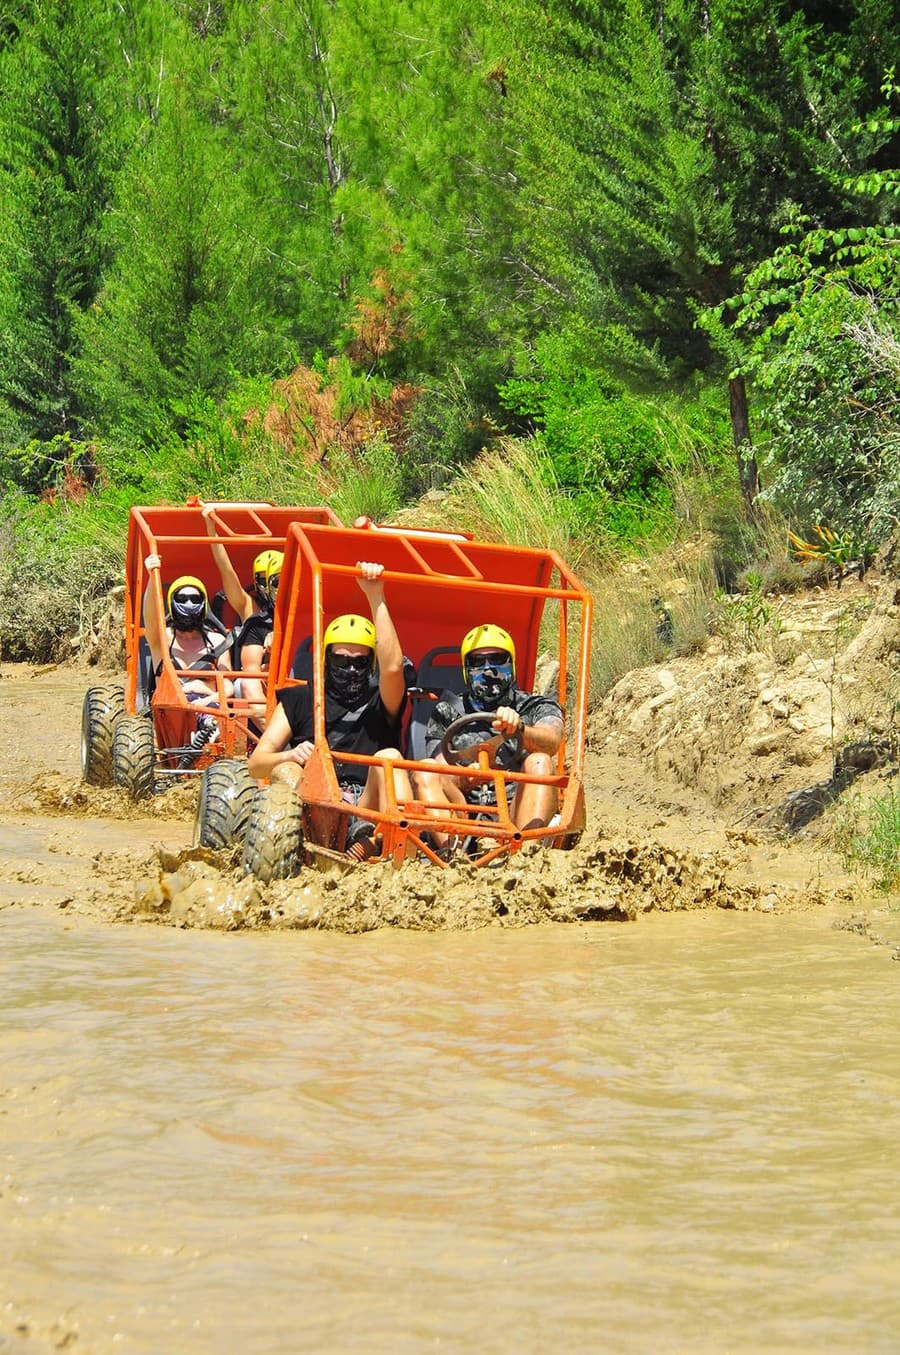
134,756
273,847
223,807
101,710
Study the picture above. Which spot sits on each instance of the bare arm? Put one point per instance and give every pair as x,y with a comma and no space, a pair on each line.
540,738
272,749
155,640
391,682
253,687
234,591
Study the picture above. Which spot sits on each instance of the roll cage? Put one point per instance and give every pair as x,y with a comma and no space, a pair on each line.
179,536
438,585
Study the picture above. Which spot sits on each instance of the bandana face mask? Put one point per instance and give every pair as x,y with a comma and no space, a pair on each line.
489,678
347,675
263,601
188,609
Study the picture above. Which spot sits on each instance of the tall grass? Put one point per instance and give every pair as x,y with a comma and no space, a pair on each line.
511,493
867,834
57,568
646,605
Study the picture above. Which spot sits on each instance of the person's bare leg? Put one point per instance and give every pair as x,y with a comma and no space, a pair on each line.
535,805
374,794
439,793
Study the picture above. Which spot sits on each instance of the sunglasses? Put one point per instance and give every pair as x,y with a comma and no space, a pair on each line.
350,663
191,599
274,582
498,659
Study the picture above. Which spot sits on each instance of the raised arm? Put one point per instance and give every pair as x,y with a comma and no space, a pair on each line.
387,644
154,638
232,587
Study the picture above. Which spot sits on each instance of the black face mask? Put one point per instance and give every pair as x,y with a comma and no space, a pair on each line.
187,614
263,601
346,677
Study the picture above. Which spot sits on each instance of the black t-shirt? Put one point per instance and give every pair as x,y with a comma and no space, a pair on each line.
364,728
534,710
253,632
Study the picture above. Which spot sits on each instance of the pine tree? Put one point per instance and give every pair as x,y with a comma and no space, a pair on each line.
57,158
665,145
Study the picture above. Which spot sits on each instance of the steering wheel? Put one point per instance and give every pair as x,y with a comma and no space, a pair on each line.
459,754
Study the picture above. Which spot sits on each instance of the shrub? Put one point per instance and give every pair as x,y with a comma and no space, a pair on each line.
55,577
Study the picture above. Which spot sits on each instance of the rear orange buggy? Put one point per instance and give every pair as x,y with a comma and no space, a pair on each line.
138,735
438,585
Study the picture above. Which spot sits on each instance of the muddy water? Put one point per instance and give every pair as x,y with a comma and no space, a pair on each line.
678,1135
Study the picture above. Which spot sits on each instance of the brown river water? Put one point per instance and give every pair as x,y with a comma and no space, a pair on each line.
678,1135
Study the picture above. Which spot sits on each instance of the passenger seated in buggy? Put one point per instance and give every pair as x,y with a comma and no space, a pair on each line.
534,726
362,714
193,643
253,644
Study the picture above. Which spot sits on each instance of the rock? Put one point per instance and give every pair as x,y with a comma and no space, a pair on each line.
765,744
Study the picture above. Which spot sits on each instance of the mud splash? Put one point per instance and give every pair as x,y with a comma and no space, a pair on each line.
600,880
608,876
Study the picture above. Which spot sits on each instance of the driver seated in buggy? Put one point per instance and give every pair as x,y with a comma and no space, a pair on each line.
533,725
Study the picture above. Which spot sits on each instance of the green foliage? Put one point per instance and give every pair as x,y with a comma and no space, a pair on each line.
57,464
867,833
666,146
59,140
619,454
449,424
817,319
511,493
748,621
367,485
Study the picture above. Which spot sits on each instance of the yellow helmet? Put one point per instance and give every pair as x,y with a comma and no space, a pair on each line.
261,563
274,564
350,629
186,581
487,636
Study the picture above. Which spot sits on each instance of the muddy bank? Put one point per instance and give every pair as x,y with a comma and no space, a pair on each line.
652,844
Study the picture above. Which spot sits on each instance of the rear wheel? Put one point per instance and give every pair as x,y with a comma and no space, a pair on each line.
134,756
223,809
274,843
100,712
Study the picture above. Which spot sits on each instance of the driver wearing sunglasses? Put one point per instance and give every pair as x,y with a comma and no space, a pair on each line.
365,695
488,655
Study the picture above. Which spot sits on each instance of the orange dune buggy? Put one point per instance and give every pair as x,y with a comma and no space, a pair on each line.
438,585
139,734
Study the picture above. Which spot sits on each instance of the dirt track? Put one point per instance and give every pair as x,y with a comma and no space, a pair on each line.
648,846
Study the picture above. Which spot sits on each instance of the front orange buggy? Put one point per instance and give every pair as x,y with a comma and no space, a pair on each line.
438,585
140,734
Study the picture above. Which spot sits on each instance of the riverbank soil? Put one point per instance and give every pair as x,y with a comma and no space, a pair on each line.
710,783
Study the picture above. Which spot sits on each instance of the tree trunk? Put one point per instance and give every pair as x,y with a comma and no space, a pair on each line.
748,471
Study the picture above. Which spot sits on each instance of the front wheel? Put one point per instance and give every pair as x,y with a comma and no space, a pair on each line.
223,808
274,844
102,709
134,756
